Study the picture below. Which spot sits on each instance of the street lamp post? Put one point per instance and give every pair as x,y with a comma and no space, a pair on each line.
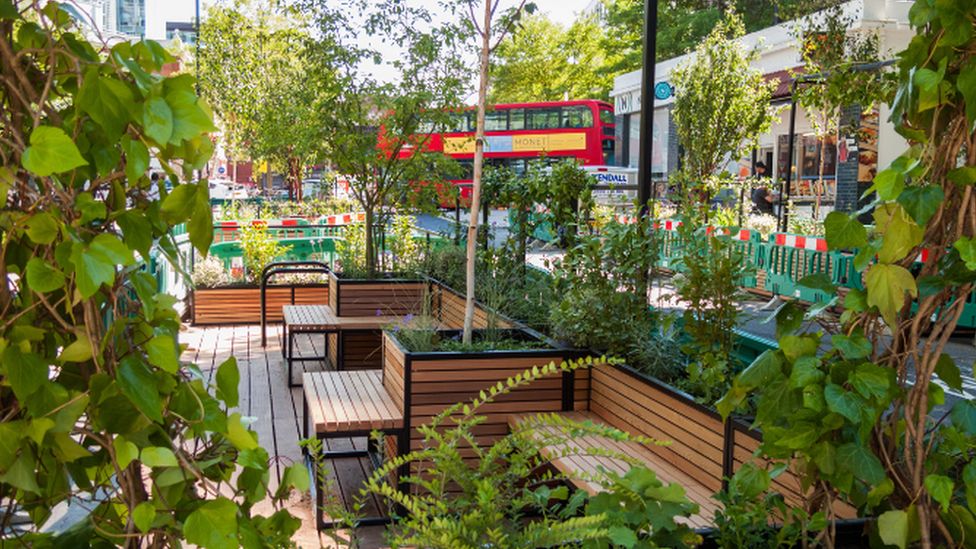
645,190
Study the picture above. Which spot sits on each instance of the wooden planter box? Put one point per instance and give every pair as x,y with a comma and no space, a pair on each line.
242,304
701,445
424,384
364,297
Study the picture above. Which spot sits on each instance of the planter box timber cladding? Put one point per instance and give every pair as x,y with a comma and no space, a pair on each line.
362,297
701,446
425,384
242,305
449,306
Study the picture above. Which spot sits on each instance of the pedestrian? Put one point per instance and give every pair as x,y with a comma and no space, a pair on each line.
762,197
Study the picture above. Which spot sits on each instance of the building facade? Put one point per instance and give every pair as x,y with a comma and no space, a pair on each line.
125,20
848,160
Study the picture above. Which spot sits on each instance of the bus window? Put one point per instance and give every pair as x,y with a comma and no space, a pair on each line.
517,165
542,119
579,116
457,123
516,119
606,116
608,152
496,121
467,169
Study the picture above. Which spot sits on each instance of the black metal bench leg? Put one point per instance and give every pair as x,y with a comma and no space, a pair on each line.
291,360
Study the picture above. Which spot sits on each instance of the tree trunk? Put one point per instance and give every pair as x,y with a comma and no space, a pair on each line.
820,177
479,158
295,175
368,235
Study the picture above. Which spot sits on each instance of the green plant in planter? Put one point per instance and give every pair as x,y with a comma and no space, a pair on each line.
259,250
501,499
94,403
352,251
404,248
709,270
209,273
603,286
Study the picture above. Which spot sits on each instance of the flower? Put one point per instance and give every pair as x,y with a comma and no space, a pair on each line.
408,318
379,312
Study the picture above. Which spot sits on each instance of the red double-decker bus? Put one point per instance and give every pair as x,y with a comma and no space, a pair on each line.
517,133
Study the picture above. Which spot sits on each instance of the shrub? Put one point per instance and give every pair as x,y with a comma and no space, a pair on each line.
259,249
209,273
352,251
404,250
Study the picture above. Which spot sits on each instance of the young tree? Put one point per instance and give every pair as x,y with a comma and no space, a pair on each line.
377,132
722,105
833,51
486,36
254,68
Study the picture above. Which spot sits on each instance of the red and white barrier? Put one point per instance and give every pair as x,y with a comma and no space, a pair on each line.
812,243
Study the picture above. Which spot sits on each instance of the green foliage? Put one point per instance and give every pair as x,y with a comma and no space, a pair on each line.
723,105
453,502
710,267
352,251
93,400
259,250
752,516
600,304
404,248
543,61
256,64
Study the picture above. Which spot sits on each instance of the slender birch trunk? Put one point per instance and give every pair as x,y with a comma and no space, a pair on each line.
479,157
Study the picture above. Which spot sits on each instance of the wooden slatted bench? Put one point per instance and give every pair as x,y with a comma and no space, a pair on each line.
322,320
342,405
584,468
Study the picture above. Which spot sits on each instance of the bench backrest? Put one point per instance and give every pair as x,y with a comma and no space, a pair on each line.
634,405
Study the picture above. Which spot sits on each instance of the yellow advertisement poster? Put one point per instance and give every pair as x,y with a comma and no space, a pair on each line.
459,145
549,142
543,142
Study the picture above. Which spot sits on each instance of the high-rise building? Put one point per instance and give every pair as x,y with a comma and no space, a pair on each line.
131,17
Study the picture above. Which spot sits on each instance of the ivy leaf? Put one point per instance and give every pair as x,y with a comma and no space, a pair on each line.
860,461
42,228
940,487
80,350
136,158
238,435
51,151
95,264
26,372
139,386
843,402
200,224
966,83
8,10
844,232
180,203
158,456
948,372
125,451
889,184
189,120
921,202
967,251
228,379
22,474
143,515
893,528
107,101
800,435
795,347
963,416
213,525
818,281
158,120
901,234
296,476
42,277
805,371
852,347
162,353
137,231
887,286
766,368
621,536
964,175
871,380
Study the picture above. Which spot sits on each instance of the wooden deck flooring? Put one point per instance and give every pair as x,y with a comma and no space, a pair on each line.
275,411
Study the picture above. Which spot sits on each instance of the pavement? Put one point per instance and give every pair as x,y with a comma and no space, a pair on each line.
755,310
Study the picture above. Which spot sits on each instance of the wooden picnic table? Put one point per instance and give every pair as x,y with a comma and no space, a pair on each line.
321,319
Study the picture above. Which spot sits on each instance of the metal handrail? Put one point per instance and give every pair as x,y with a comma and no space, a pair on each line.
284,267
